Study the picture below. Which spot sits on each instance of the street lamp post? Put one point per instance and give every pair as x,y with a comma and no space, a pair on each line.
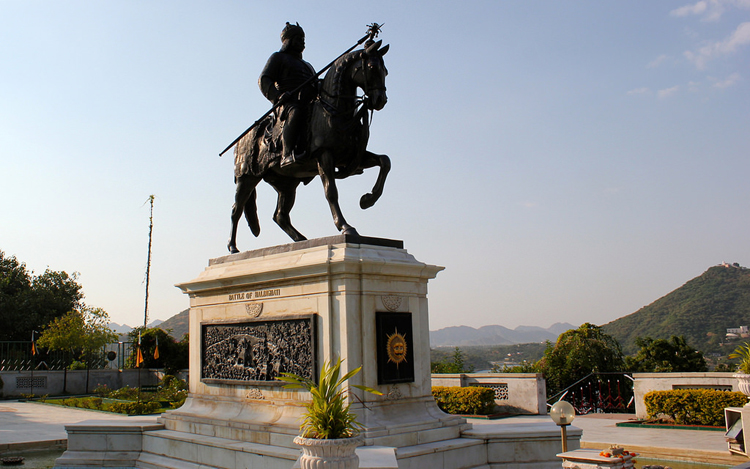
562,413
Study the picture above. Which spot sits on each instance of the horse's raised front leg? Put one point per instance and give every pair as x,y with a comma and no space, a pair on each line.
326,169
287,193
382,161
244,201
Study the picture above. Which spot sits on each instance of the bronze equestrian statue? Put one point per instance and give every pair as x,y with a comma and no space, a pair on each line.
321,129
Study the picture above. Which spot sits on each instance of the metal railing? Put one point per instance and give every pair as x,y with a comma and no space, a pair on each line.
599,393
18,356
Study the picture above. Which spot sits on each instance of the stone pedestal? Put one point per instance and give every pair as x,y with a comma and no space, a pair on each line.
327,296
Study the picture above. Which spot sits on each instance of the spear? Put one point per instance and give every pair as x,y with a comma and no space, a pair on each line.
372,32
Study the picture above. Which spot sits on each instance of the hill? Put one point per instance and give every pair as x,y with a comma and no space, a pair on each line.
495,335
179,324
701,310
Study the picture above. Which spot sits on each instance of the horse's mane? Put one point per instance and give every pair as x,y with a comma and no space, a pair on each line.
333,82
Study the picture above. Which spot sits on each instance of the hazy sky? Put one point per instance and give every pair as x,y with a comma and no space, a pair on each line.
565,161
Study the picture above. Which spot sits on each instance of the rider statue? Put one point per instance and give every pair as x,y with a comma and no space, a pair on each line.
284,72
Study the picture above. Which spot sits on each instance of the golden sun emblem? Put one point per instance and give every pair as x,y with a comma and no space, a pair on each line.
396,347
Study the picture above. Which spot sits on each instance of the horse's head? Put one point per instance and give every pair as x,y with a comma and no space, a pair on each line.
370,75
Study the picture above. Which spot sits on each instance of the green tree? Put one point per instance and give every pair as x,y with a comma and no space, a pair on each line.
577,353
29,302
661,356
173,355
84,331
456,365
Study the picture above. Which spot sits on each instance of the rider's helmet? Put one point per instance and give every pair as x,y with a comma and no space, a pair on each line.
291,30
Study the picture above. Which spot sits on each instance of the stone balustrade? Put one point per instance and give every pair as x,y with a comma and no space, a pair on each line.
517,393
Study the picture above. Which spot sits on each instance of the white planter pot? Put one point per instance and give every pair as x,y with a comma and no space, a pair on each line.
329,454
743,383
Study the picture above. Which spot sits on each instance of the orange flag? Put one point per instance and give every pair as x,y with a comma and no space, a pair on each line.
139,355
156,350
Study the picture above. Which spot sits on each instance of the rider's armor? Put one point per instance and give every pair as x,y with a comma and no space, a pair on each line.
284,72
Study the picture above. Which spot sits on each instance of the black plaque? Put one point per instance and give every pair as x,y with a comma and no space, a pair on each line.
395,348
257,352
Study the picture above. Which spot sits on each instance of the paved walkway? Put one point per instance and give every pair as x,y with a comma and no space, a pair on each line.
600,431
26,425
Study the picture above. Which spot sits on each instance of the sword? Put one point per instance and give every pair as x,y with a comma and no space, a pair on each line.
372,32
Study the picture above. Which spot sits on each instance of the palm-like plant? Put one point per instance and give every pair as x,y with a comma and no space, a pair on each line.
328,415
743,353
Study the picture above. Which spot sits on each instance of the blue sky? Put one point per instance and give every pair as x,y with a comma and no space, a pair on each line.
565,161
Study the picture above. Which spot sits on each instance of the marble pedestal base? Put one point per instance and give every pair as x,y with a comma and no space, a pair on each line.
340,284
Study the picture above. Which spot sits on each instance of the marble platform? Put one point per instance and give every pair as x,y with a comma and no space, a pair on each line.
523,442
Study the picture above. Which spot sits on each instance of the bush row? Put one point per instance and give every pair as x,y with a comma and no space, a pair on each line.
692,406
136,408
464,401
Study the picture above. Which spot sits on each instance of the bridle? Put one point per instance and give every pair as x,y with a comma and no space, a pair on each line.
359,101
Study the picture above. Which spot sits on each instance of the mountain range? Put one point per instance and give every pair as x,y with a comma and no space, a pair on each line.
124,329
456,336
177,326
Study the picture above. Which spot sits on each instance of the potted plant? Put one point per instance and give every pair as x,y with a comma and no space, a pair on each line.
329,431
743,370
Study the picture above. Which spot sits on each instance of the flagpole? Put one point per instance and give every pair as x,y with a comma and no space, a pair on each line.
33,356
138,361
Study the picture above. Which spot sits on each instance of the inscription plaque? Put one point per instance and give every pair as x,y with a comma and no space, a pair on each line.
395,347
256,352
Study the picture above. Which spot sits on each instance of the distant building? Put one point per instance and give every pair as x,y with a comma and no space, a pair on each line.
738,332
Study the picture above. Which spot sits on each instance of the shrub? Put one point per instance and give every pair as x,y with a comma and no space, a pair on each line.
167,380
124,393
173,390
76,365
70,402
136,407
692,406
464,401
90,403
102,390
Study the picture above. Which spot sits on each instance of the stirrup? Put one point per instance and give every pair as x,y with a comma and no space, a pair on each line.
291,159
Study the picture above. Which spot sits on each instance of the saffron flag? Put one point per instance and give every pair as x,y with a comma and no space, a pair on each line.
156,350
33,345
139,355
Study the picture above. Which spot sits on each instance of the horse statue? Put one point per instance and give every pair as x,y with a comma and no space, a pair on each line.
338,132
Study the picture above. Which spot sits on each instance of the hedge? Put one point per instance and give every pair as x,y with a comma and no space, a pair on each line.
464,401
693,406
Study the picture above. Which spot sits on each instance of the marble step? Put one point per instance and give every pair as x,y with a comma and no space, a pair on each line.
208,451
